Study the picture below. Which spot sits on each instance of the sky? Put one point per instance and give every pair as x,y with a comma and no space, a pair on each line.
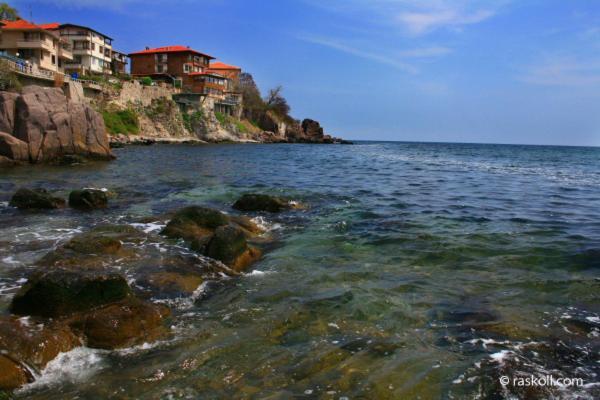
503,71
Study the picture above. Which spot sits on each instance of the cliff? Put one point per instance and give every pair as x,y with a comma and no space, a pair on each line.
42,125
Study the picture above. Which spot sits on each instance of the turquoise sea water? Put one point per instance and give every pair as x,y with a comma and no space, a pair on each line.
418,271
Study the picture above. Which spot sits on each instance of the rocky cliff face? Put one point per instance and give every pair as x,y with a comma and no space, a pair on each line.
41,125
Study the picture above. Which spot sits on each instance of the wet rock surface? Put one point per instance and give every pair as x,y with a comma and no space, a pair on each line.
36,199
262,202
88,199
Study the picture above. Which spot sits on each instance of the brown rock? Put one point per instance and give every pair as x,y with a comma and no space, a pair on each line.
175,282
124,324
7,111
13,148
12,375
33,342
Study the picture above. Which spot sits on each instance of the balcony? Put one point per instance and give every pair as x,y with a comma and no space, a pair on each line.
66,54
35,44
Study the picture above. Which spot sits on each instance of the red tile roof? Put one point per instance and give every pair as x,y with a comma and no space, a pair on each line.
220,65
51,26
170,49
206,73
20,24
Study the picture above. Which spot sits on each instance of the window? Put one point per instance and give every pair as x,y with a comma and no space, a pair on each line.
53,59
161,68
187,68
93,46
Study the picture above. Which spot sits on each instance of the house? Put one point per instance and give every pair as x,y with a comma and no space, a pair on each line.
231,72
92,50
42,49
173,64
119,63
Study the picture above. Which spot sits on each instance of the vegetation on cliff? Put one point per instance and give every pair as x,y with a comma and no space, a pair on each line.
124,122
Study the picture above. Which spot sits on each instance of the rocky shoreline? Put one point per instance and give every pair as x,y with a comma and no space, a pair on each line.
83,294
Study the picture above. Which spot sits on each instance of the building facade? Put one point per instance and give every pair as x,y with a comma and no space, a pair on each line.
40,48
173,64
119,63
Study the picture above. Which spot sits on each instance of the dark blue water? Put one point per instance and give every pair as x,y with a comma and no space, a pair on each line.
418,270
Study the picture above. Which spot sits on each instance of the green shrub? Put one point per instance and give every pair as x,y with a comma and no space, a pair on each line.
121,122
8,77
190,120
222,118
146,81
241,127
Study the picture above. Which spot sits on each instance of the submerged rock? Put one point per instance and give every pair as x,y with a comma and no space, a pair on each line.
12,375
262,202
229,246
88,199
58,292
92,249
124,324
35,342
35,199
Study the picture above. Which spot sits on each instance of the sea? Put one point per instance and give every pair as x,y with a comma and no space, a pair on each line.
414,271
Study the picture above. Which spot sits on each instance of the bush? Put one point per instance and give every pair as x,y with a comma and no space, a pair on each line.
121,122
190,120
221,117
241,127
146,81
8,77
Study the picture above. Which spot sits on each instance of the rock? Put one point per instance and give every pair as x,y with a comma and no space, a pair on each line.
35,342
229,246
172,282
246,223
261,202
88,199
71,159
12,375
124,324
194,224
13,148
50,126
312,129
35,199
92,249
59,291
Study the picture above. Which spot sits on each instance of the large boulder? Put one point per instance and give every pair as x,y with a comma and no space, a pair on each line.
35,199
195,224
51,126
88,199
13,148
123,324
229,245
59,291
261,202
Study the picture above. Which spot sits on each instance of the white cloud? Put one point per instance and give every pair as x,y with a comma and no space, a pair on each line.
567,72
420,23
366,54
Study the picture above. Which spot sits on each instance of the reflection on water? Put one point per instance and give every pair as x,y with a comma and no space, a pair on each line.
424,270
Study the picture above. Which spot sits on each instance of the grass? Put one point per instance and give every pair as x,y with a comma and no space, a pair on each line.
190,120
241,127
121,122
221,117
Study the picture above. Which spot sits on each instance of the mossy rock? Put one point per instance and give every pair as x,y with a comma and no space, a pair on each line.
58,292
173,282
227,244
91,249
27,199
88,199
194,222
123,324
261,202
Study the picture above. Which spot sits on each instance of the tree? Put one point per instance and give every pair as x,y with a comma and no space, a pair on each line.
254,105
276,102
8,13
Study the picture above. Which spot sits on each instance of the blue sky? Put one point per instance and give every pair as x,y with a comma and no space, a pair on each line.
505,71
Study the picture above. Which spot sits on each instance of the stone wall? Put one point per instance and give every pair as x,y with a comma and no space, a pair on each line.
135,93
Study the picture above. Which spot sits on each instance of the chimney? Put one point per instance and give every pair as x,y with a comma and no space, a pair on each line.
147,48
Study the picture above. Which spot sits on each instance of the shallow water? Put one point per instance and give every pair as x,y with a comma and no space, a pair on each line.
419,270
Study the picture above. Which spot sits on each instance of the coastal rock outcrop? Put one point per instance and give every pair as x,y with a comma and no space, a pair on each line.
88,199
262,202
27,199
50,126
215,235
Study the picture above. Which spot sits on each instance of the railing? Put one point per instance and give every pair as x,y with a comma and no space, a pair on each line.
21,67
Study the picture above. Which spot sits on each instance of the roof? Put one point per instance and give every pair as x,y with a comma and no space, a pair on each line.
22,25
84,27
205,74
171,49
220,65
51,26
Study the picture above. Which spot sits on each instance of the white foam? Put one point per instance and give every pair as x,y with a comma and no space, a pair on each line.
73,366
595,320
149,227
501,356
265,225
100,189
